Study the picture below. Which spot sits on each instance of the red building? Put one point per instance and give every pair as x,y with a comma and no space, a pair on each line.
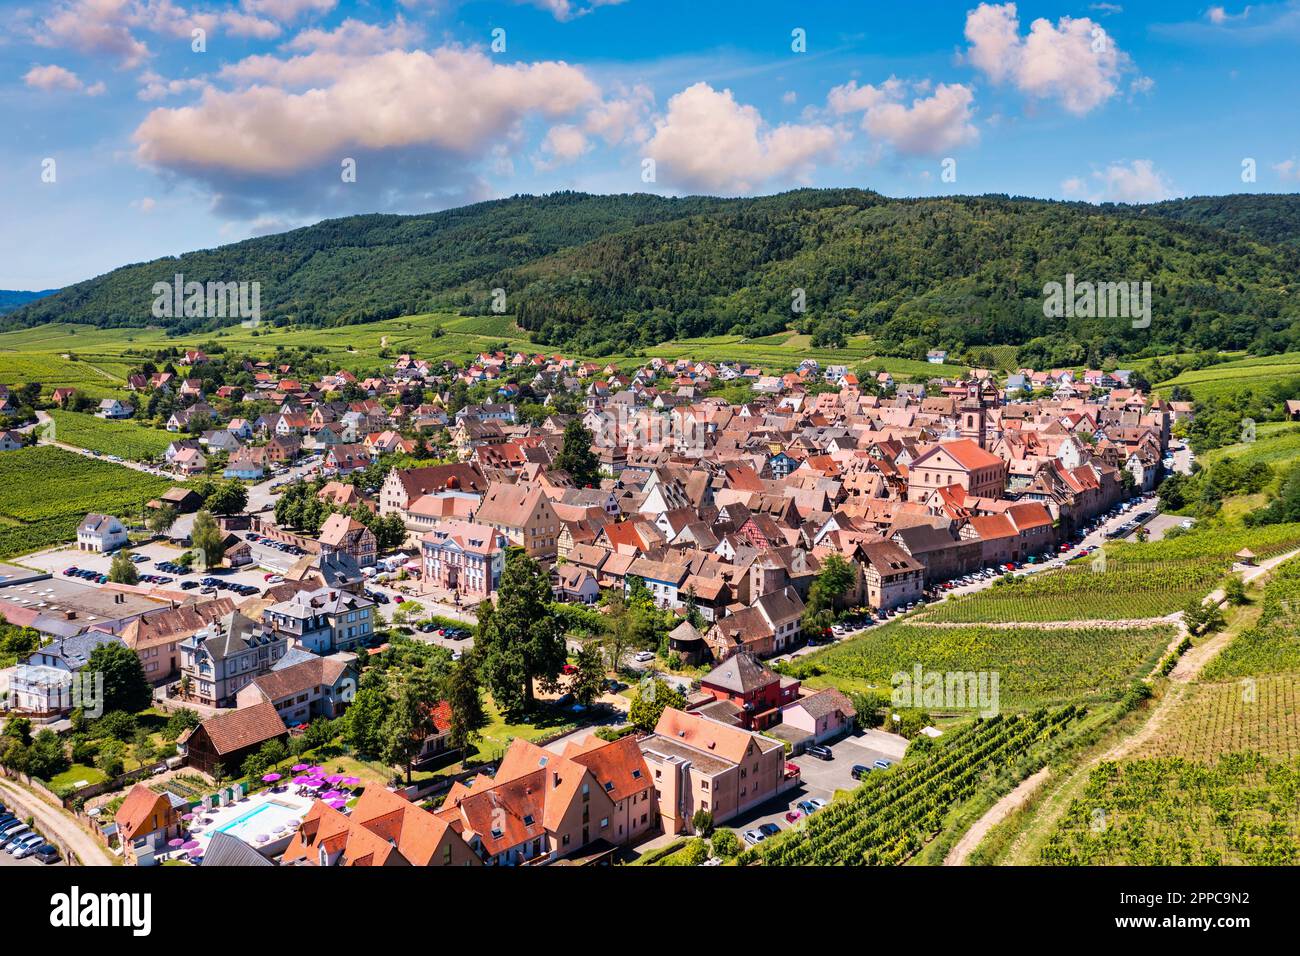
746,693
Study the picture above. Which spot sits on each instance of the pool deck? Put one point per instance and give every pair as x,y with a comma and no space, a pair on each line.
229,817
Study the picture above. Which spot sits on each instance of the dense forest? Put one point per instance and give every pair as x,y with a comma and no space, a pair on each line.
608,273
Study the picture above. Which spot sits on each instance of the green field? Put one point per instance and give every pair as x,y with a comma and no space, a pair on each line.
1231,376
1272,645
1080,593
1173,812
124,438
102,363
47,491
1260,714
1035,666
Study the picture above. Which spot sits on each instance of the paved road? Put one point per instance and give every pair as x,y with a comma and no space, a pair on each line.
51,820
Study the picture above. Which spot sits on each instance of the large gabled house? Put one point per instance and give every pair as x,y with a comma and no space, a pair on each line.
543,806
382,829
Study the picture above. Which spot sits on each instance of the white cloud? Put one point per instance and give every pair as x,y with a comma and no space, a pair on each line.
287,10
56,79
623,118
930,126
154,86
708,141
563,144
145,205
1135,182
101,27
569,9
1074,62
450,99
1288,170
357,38
1220,17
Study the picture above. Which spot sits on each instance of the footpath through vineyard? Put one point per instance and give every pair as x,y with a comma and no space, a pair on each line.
1189,667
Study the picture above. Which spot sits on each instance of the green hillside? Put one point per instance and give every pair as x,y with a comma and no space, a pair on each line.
604,275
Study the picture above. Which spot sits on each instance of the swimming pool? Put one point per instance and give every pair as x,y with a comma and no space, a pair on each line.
263,818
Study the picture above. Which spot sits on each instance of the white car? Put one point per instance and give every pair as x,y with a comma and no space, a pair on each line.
643,657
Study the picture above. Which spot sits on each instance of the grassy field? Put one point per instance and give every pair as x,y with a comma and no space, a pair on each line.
125,438
101,360
1035,666
49,490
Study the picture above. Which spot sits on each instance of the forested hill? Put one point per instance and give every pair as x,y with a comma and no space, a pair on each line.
607,273
11,299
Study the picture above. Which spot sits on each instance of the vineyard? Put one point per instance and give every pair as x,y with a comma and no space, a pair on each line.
893,814
1257,714
1208,543
1245,809
49,490
124,438
1272,645
1035,666
1123,592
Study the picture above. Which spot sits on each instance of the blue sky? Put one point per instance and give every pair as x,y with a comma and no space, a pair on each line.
155,147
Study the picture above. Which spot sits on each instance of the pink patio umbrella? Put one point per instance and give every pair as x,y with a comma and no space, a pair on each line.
189,816
302,781
334,778
175,842
300,767
270,777
351,781
190,845
336,804
315,771
332,795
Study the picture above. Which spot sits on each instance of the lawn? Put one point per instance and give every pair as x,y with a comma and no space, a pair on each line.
75,775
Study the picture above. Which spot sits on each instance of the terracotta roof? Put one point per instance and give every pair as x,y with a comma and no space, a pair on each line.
245,727
136,809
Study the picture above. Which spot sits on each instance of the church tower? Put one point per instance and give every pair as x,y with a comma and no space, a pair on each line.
972,414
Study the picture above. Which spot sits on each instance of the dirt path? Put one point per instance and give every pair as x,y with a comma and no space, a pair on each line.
56,822
1013,801
1186,671
1053,625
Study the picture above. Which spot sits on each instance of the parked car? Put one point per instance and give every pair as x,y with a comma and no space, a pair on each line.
859,771
770,829
754,836
643,657
47,853
819,751
811,806
882,764
568,669
27,847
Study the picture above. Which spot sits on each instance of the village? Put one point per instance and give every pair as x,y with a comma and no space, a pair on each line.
689,526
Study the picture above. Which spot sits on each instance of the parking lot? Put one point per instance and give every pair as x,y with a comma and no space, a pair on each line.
822,778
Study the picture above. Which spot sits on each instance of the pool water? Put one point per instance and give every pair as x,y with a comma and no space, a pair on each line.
263,818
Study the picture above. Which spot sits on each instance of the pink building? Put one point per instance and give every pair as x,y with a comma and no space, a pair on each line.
463,557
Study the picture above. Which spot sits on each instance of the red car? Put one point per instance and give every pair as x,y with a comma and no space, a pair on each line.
568,669
793,815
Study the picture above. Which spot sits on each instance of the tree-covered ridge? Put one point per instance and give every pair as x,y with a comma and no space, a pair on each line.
11,299
601,274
